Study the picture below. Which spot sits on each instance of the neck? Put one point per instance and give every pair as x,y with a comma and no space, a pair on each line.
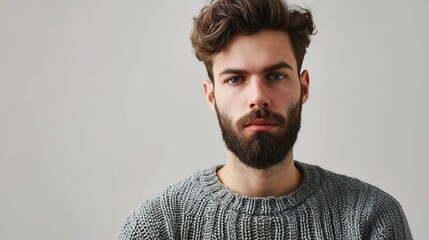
276,181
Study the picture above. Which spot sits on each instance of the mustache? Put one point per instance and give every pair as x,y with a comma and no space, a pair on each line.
261,113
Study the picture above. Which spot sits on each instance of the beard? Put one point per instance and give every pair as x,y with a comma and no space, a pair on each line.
262,150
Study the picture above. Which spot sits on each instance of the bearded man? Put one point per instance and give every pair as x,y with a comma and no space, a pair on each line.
253,52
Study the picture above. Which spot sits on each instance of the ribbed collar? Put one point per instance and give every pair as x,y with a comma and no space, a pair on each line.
259,205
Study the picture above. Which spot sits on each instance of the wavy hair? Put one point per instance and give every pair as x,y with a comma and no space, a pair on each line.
221,20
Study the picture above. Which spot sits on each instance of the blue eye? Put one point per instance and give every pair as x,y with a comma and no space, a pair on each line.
234,80
277,76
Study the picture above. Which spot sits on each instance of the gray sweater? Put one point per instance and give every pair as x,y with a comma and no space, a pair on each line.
325,206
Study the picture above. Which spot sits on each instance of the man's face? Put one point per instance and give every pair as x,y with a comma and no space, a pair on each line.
257,95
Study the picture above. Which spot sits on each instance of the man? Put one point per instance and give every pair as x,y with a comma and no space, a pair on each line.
253,51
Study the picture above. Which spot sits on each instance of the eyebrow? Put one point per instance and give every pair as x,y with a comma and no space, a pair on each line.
266,69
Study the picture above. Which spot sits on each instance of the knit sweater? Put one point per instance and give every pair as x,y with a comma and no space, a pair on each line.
325,206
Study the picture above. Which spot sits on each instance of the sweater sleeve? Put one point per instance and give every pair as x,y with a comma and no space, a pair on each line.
388,220
139,225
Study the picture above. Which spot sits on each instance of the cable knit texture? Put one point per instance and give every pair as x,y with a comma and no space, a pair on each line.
325,206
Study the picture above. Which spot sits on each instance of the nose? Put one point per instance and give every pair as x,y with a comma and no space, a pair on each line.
258,95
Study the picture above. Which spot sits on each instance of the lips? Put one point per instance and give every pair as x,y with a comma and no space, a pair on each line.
260,125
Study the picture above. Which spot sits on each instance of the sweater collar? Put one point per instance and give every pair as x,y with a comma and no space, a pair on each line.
229,200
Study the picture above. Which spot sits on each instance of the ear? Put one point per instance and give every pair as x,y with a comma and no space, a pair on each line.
209,92
305,85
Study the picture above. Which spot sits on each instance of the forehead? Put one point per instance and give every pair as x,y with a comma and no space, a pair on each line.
254,52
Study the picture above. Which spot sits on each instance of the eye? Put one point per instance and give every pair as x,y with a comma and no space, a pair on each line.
277,76
234,80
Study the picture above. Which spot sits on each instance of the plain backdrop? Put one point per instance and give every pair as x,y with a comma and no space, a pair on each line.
102,106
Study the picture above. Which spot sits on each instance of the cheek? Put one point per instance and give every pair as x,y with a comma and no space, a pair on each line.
230,103
227,111
282,100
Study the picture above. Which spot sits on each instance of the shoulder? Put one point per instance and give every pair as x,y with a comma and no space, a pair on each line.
379,214
159,216
331,182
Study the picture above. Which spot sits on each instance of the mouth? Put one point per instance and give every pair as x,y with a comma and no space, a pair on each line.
260,124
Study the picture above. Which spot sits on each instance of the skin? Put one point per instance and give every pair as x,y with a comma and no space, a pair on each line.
257,71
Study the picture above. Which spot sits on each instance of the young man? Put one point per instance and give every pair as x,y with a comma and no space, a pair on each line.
253,52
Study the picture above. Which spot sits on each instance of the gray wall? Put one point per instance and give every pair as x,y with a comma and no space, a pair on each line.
101,107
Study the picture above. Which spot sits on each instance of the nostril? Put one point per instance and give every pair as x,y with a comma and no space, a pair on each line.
264,105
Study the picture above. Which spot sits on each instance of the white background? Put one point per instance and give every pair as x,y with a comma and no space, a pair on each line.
101,107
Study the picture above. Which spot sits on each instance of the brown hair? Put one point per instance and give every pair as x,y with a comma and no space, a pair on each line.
221,20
